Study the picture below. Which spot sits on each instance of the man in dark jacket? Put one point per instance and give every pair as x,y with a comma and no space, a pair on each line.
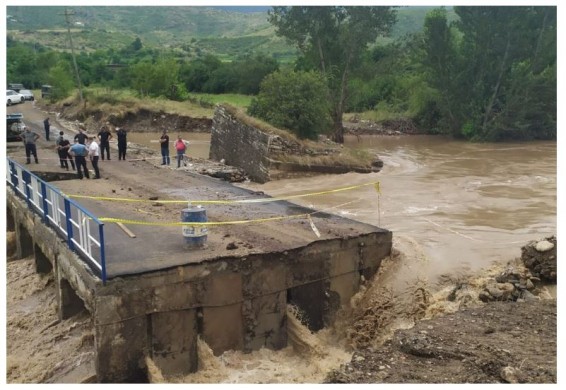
122,135
164,141
46,126
81,136
63,146
104,136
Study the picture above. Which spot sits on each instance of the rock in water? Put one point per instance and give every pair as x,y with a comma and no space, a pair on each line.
543,246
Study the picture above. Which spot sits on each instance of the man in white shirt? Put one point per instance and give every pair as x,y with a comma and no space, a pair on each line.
94,155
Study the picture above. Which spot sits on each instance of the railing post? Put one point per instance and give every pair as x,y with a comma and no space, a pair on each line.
13,176
69,224
44,201
102,252
27,179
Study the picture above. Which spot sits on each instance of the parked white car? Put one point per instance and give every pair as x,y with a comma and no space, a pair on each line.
12,97
27,94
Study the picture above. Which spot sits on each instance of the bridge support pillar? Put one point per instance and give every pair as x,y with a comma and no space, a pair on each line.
69,302
174,341
223,328
266,322
121,348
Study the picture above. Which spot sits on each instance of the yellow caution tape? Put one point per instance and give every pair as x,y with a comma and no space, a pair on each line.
297,216
240,201
133,222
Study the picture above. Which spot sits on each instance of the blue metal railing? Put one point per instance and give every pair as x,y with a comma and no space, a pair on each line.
83,232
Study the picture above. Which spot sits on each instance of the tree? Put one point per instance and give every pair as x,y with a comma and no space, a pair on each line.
159,79
251,70
61,79
196,73
494,71
332,39
136,45
295,101
441,64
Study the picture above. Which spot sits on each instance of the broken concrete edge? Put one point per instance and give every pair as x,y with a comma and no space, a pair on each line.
245,144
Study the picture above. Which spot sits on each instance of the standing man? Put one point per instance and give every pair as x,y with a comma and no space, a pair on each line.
58,141
29,138
81,136
164,140
94,154
122,135
46,126
104,137
63,146
80,151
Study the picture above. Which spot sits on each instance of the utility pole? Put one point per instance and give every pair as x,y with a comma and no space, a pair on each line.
67,14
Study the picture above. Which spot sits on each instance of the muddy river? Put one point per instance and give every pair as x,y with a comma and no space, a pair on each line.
458,206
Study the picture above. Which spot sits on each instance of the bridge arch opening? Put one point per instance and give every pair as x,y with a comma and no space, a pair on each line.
70,303
10,221
25,242
42,263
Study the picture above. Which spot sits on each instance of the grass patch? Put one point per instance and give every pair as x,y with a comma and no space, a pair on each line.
120,102
383,112
233,99
346,157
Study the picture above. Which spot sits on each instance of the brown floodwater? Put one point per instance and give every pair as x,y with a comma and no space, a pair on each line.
456,206
199,143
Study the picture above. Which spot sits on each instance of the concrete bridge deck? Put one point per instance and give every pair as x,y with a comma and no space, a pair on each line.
162,247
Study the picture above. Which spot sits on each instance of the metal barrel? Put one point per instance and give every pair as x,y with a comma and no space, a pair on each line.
195,236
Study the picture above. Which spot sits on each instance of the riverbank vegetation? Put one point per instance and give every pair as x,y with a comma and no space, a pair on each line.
477,73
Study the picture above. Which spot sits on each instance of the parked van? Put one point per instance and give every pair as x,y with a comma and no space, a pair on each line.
46,91
16,87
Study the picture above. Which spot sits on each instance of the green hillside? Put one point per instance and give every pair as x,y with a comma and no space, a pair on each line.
223,31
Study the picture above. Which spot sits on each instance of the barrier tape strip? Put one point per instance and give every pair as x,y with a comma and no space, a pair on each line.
240,222
241,201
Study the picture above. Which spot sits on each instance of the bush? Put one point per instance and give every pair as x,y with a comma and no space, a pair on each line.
296,101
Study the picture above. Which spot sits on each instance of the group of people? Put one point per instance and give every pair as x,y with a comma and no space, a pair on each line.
84,146
87,146
180,147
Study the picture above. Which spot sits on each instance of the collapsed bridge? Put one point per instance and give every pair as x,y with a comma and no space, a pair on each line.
152,296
